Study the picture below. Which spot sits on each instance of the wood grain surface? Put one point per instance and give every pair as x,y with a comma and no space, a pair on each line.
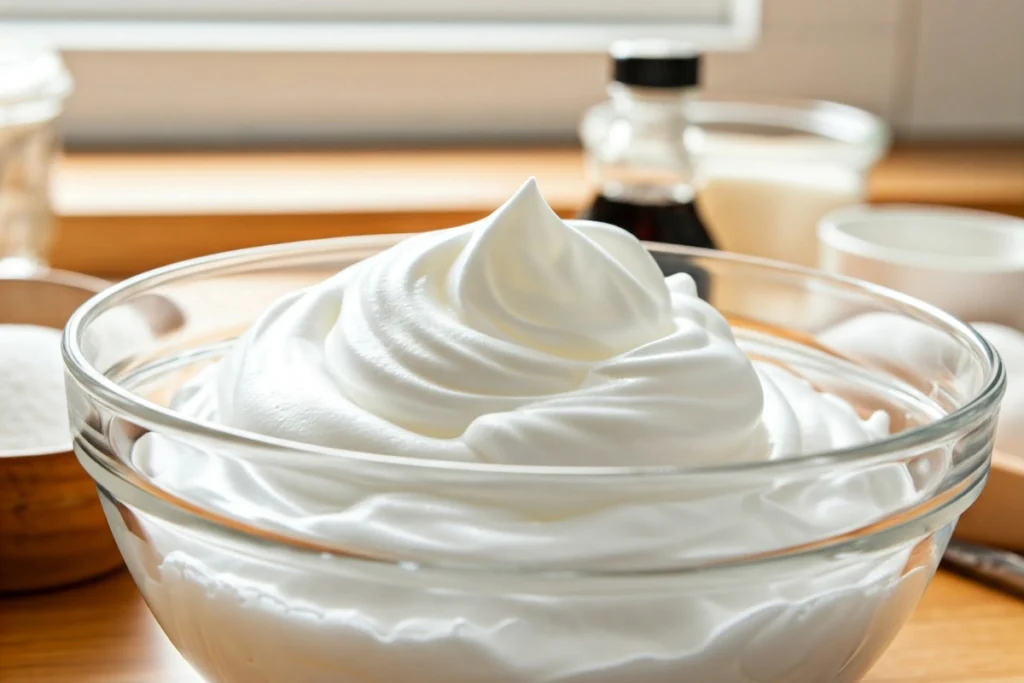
128,212
102,632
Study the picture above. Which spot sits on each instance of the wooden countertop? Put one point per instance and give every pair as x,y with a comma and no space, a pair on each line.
125,212
102,632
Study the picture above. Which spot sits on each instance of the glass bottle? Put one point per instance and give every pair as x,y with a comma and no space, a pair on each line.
635,155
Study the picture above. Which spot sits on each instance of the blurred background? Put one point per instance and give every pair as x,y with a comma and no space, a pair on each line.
268,72
196,126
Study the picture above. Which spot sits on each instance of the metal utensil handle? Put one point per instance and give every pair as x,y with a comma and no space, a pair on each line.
1000,568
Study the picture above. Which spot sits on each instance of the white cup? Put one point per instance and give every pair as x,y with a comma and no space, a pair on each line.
969,263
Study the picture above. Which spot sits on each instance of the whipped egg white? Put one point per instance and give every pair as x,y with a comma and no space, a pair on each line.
521,339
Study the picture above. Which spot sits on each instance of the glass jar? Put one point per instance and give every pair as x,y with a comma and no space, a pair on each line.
33,86
766,171
636,160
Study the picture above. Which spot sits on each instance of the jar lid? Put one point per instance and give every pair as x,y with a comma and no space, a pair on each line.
33,79
655,64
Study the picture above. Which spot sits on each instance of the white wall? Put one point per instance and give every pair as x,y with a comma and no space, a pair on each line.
933,68
969,68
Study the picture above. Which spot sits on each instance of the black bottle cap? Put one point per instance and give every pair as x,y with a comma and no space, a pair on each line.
655,64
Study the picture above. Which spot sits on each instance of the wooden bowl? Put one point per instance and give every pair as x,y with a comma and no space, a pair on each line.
52,528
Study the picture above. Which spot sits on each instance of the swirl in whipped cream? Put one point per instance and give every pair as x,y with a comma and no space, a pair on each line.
520,339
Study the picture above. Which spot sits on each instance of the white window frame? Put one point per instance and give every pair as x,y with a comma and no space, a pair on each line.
195,72
381,26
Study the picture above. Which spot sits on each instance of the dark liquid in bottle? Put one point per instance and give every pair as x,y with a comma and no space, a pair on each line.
672,222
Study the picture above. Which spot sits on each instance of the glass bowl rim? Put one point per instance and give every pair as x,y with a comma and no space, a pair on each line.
111,394
850,128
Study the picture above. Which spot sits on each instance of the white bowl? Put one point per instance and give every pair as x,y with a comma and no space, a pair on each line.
970,263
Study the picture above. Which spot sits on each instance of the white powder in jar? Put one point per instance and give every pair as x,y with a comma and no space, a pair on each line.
33,407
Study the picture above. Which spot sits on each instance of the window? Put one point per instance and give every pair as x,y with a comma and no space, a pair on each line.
263,71
402,25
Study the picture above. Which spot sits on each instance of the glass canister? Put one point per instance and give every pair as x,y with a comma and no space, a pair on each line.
767,170
33,86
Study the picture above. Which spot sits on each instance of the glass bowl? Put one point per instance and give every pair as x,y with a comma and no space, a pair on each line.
767,169
796,570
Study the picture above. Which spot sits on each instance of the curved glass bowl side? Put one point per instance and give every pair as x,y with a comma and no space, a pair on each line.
787,314
257,598
235,611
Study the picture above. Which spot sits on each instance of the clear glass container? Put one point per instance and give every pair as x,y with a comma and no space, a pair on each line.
767,170
830,567
634,144
33,86
637,163
763,171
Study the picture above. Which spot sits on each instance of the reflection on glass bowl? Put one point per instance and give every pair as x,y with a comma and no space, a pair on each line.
366,568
